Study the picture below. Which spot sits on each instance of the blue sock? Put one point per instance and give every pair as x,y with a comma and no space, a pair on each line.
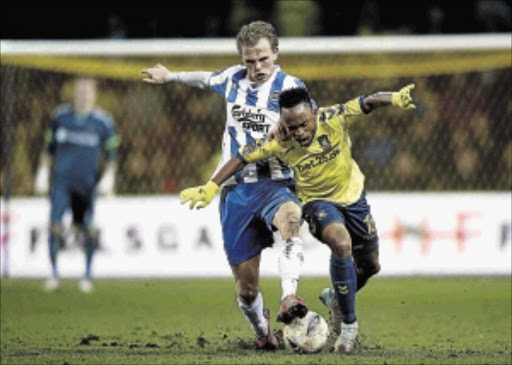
54,244
89,246
343,278
88,264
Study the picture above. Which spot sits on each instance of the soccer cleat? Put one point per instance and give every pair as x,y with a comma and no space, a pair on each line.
347,339
51,285
328,298
85,286
292,307
268,342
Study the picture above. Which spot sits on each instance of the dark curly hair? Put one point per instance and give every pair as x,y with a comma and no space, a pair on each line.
293,97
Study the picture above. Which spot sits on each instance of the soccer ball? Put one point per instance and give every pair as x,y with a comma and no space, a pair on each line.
306,335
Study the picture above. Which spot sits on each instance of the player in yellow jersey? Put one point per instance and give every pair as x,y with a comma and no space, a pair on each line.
330,186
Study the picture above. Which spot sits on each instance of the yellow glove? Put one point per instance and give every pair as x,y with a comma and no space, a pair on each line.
402,98
200,195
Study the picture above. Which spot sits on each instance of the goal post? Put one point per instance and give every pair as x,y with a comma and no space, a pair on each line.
309,58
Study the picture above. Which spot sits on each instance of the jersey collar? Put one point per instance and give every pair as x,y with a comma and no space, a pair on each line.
254,85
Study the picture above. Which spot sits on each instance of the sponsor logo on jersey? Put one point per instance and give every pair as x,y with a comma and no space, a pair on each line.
248,149
86,139
251,147
324,143
250,119
318,160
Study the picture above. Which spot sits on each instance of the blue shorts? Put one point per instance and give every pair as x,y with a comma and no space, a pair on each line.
356,217
67,195
247,212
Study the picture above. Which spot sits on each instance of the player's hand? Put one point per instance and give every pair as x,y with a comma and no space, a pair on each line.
278,133
402,98
199,196
272,134
156,74
42,183
106,184
282,134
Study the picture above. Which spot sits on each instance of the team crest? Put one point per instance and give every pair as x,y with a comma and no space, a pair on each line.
324,143
321,215
343,289
251,147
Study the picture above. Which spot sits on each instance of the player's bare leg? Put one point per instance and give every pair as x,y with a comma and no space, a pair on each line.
250,302
287,221
367,266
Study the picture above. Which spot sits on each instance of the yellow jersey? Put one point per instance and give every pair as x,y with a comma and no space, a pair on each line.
324,170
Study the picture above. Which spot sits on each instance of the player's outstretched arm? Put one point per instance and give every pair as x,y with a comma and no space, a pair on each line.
401,99
155,74
200,196
160,74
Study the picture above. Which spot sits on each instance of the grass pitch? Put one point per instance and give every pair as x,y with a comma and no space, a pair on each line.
402,321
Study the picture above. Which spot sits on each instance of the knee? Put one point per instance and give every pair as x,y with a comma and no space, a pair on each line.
342,248
373,269
247,295
92,233
291,225
287,220
368,268
91,237
338,240
292,220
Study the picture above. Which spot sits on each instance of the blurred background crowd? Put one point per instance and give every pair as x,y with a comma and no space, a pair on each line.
224,18
459,138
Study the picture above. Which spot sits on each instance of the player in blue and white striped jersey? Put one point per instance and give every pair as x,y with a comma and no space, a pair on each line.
75,141
252,110
260,198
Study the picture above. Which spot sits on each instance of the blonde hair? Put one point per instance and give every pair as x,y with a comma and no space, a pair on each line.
251,33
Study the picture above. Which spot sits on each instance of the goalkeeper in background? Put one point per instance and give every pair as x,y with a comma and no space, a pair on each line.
77,136
260,198
330,185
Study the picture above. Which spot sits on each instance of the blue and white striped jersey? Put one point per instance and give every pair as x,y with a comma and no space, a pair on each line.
252,111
